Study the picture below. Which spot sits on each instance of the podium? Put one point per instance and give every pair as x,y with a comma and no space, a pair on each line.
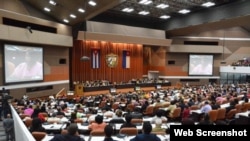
78,89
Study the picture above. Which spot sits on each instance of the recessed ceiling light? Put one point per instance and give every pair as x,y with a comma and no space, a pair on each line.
144,13
72,16
162,6
92,3
81,10
52,2
47,9
145,2
184,11
208,4
128,10
165,17
66,21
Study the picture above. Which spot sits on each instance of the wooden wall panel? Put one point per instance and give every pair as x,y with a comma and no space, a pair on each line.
83,71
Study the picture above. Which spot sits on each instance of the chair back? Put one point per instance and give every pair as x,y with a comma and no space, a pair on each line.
176,112
231,114
221,114
78,120
38,135
238,108
130,107
22,116
28,122
245,107
130,131
136,120
194,107
159,133
213,115
149,111
44,114
97,133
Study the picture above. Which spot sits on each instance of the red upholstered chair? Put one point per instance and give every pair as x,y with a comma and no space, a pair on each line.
38,135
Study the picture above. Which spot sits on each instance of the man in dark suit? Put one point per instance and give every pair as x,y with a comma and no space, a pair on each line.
8,124
146,135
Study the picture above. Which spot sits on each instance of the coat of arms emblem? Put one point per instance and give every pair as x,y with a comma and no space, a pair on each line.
112,60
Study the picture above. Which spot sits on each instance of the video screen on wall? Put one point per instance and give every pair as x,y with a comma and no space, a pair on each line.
22,63
200,64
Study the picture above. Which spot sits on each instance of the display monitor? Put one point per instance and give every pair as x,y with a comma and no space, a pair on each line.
200,65
158,87
112,90
22,63
137,88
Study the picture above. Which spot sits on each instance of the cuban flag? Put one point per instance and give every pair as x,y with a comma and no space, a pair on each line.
125,59
95,57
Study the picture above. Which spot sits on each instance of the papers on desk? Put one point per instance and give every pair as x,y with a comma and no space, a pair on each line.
54,126
196,111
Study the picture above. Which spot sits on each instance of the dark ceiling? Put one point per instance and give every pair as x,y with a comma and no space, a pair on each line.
109,11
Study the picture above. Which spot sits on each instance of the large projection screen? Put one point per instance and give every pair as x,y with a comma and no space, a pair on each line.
22,63
200,65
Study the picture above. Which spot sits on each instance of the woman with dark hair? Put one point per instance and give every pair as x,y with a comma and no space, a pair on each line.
98,124
36,125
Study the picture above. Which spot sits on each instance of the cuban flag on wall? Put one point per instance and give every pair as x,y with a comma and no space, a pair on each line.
125,59
95,58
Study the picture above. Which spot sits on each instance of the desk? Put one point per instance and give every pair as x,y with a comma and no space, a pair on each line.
139,127
242,114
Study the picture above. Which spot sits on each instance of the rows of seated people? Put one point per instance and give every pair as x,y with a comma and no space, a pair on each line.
208,104
98,83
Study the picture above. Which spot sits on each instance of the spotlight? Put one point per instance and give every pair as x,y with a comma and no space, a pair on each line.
29,28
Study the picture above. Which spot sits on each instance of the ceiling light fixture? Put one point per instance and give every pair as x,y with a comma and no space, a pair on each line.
208,4
72,16
164,17
184,11
52,2
144,13
162,6
47,9
92,3
81,10
128,10
145,2
66,21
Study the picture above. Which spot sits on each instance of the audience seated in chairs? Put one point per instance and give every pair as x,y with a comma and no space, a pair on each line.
36,125
146,135
72,134
128,123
